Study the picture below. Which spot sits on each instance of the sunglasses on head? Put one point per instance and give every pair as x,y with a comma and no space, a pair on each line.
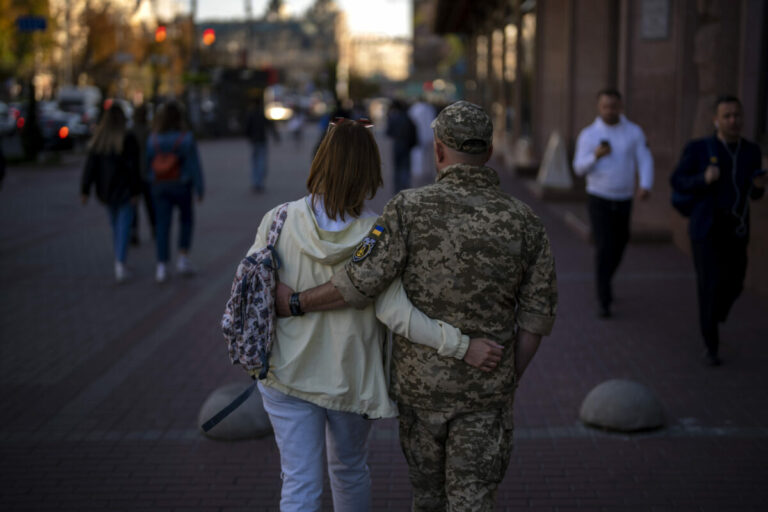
363,121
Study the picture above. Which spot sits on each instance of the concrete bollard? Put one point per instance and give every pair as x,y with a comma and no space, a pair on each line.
623,406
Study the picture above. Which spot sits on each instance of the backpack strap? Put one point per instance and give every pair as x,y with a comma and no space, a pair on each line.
237,402
277,224
176,144
178,141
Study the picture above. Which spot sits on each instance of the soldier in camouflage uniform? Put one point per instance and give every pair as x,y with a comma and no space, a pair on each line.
479,259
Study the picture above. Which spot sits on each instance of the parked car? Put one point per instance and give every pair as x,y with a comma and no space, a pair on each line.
84,101
7,120
56,126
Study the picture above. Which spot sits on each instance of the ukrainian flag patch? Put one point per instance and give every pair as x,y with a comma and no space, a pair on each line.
377,231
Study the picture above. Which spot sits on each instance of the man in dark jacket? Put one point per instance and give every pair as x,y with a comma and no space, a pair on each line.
719,174
403,133
257,127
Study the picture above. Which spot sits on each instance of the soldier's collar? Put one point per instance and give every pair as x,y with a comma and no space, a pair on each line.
463,173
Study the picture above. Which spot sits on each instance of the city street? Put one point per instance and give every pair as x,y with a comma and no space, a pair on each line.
102,383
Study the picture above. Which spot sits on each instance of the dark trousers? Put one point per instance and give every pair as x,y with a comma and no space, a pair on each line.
721,263
610,230
402,170
146,193
167,198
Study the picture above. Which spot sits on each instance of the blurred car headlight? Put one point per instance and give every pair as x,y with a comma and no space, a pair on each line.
277,112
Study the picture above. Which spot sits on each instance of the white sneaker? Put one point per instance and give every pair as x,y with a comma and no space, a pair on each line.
121,273
184,266
161,273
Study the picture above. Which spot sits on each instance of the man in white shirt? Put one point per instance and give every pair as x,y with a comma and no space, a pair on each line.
609,152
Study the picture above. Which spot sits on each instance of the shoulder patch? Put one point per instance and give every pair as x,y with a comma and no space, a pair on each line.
365,247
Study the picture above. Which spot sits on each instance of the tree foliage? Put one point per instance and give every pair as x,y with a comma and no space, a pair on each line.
19,50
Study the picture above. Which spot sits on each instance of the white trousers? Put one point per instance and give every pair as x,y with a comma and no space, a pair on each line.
303,431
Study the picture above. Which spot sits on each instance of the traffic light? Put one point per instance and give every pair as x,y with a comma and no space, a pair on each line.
161,33
209,36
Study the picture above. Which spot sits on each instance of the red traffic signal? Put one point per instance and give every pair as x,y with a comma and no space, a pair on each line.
161,33
209,36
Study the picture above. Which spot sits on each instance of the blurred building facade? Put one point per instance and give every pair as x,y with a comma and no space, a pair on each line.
438,65
301,49
537,65
378,56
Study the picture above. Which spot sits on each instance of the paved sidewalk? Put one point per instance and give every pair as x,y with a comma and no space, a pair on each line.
101,384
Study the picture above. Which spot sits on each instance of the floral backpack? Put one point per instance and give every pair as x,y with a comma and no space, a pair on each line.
250,316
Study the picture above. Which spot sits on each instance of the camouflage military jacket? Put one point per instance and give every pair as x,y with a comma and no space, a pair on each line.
470,255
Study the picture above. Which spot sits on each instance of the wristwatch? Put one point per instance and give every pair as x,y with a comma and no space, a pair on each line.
295,305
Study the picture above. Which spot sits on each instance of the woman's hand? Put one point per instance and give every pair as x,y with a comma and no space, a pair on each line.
283,298
483,354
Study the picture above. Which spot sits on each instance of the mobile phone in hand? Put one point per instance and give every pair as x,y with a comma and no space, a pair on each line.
605,142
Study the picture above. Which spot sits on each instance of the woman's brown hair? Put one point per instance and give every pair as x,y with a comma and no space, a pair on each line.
110,132
346,169
169,118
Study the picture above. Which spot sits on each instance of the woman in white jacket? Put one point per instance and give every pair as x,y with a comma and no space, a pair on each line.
327,376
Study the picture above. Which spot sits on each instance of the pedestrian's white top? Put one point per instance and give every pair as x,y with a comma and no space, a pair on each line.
613,176
422,114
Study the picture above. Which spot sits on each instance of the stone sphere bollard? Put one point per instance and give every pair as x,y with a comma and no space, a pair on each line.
249,421
622,405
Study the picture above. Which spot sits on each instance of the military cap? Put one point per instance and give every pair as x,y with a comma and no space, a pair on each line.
465,127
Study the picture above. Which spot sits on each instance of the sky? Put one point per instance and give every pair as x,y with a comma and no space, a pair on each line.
387,17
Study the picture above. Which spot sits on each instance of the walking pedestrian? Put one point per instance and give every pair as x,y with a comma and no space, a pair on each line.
719,174
113,167
403,133
257,128
326,377
174,173
141,130
295,127
477,258
610,151
422,114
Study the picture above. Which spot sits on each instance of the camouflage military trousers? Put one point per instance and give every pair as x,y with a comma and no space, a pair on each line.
455,460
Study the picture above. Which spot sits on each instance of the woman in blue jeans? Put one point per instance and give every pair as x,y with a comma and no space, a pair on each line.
113,168
174,172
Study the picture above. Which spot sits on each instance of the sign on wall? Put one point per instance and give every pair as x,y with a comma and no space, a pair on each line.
654,19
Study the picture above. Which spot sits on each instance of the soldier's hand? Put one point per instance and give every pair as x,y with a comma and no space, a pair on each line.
712,174
483,354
